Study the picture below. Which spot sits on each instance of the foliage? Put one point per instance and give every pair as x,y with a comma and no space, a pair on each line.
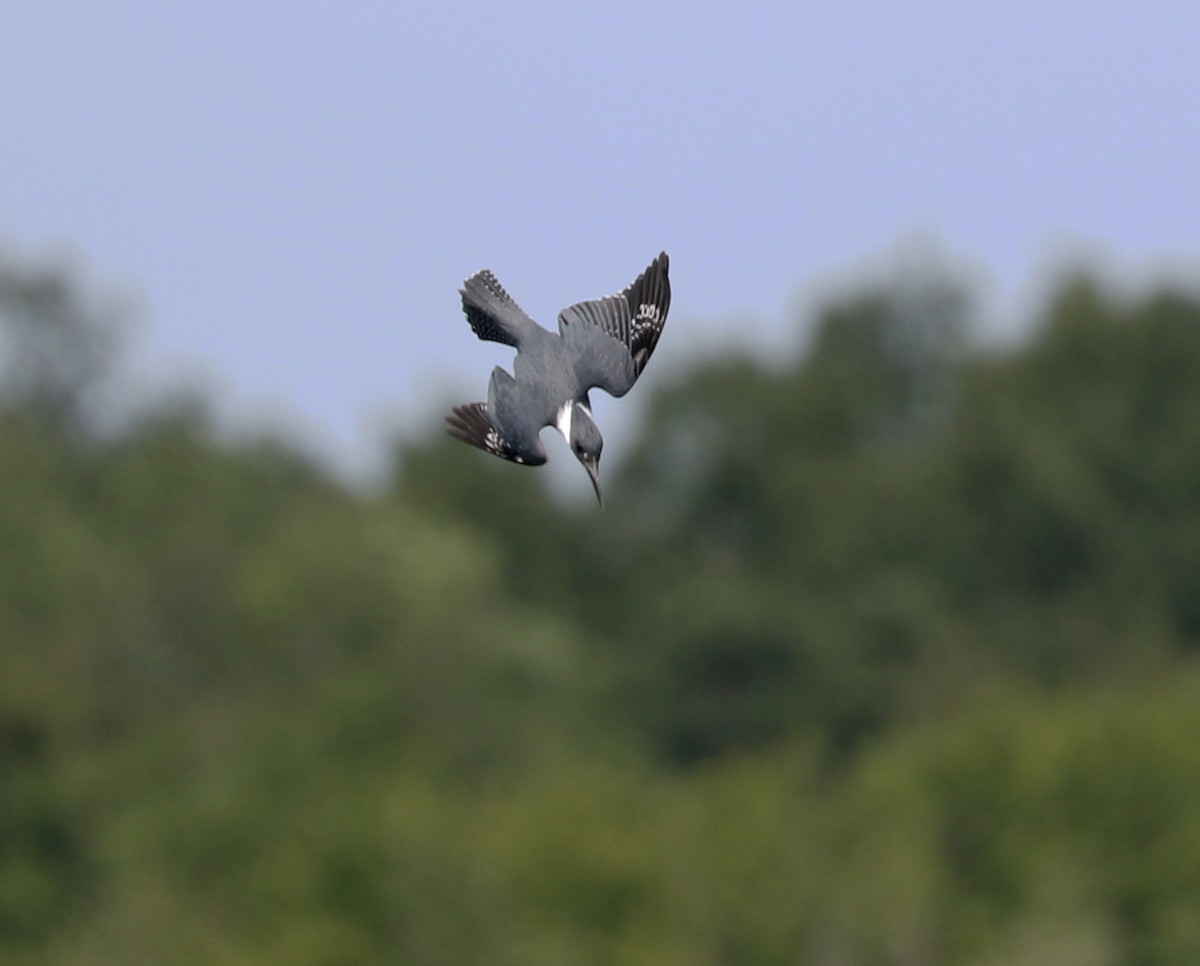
884,654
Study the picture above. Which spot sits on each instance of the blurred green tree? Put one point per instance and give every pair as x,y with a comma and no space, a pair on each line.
883,653
58,343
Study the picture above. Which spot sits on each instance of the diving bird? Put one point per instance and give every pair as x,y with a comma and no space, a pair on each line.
601,344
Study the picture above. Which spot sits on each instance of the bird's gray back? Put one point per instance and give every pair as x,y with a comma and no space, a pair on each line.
545,370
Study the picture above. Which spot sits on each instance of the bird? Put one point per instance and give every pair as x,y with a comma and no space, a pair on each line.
602,344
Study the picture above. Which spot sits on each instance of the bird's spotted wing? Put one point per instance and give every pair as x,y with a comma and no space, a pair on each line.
473,424
493,314
612,338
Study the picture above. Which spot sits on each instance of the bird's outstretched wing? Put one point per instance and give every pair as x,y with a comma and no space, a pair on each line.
492,312
612,338
472,423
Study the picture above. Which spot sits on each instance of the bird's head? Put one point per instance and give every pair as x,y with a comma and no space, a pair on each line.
586,443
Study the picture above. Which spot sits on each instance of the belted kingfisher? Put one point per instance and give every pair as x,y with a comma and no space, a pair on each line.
603,344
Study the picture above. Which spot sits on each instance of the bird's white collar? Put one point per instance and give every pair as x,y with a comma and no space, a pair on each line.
563,420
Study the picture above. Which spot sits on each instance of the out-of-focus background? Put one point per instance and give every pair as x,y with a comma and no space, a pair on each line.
885,648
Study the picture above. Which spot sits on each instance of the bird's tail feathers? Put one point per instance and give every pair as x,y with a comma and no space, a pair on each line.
493,314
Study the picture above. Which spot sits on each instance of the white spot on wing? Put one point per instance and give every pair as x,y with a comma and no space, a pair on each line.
648,318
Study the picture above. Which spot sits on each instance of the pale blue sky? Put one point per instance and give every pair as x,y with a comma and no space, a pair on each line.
298,189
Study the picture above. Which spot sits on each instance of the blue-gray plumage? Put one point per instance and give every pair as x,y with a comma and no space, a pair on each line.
602,344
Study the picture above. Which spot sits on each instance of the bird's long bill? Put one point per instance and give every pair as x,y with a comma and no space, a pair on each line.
593,468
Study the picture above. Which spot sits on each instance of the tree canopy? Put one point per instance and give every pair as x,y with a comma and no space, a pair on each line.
882,653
